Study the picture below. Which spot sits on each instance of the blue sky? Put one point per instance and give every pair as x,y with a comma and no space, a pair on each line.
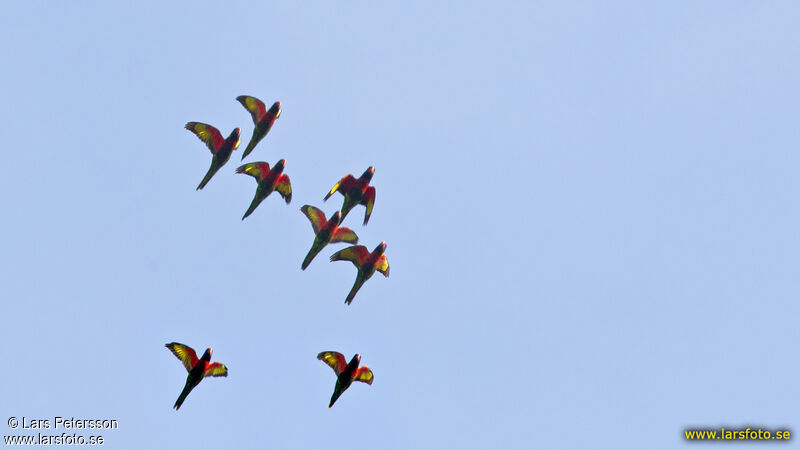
590,212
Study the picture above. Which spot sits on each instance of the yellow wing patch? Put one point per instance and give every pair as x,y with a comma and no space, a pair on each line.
333,189
369,201
254,106
356,254
383,266
216,369
284,187
315,216
334,359
208,134
344,234
345,183
183,352
255,169
364,375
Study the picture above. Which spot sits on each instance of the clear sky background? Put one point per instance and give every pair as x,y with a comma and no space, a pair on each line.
591,212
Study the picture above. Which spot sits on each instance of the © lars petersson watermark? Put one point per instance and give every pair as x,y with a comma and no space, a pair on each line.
66,426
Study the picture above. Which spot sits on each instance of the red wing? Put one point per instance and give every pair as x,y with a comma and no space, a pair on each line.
185,353
216,369
344,234
284,187
257,170
335,360
368,200
357,254
256,107
316,216
344,184
363,374
383,266
208,134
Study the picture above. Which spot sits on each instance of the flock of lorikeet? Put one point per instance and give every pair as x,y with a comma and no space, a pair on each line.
356,191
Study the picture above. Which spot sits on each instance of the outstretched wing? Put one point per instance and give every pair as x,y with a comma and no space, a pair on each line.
368,200
316,216
185,353
257,170
357,254
363,374
284,187
344,184
208,134
335,360
383,266
344,234
216,369
255,106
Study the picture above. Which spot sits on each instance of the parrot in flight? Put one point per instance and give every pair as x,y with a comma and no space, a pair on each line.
345,372
263,118
220,148
356,191
327,232
268,181
197,368
366,263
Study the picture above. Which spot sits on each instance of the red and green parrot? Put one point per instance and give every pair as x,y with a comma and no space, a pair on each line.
356,191
327,232
197,368
268,181
366,263
345,372
263,118
220,148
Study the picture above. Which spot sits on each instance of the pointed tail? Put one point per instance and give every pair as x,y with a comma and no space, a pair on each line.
315,249
356,286
253,205
258,134
346,207
211,171
186,389
335,396
250,146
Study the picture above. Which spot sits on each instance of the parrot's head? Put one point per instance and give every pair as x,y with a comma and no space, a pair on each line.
367,175
207,355
337,217
276,109
356,360
279,165
234,138
380,248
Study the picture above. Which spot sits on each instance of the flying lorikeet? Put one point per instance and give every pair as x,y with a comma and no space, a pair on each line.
268,181
327,232
356,191
345,373
198,368
263,118
366,263
220,148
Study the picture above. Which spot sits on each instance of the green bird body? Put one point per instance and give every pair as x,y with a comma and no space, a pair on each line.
367,264
268,180
326,232
345,372
220,148
356,191
263,119
197,368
